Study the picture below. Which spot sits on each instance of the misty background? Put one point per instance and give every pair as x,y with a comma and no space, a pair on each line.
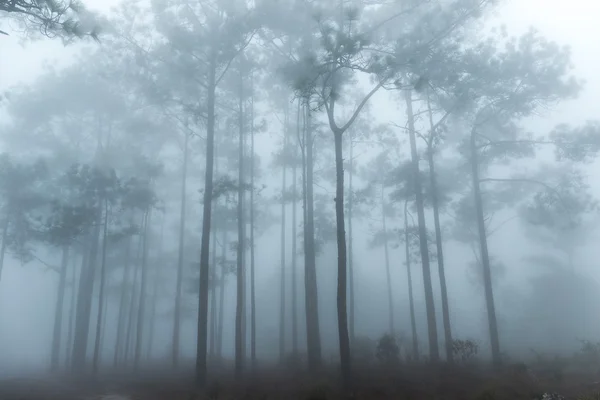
28,292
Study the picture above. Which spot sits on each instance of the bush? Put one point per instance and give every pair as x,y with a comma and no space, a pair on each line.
363,350
388,351
464,350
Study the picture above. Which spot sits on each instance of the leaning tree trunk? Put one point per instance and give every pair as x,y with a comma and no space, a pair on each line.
239,331
179,284
310,269
352,313
386,253
96,360
485,258
411,299
139,332
282,314
201,347
342,311
429,303
58,311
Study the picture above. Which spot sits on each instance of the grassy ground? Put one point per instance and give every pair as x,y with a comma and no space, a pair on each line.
410,382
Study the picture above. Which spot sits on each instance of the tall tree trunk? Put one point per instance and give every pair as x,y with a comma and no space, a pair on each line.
350,254
310,270
123,302
58,310
411,299
177,317
139,333
239,331
96,360
386,253
152,323
295,240
84,299
213,278
342,311
133,298
252,244
222,295
438,239
201,367
72,306
282,242
485,258
434,353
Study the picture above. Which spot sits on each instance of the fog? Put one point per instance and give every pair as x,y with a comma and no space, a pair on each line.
125,103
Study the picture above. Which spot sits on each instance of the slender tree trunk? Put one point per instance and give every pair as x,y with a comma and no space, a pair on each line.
123,302
222,295
386,253
96,360
139,333
133,298
213,297
295,241
201,367
177,317
4,243
152,324
84,300
72,306
252,244
310,269
438,240
282,243
342,311
350,253
434,353
239,331
485,258
58,311
411,299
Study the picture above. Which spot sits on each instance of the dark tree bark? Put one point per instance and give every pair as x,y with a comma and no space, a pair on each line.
4,242
352,313
342,310
434,353
411,299
179,284
58,310
132,302
201,348
282,241
485,257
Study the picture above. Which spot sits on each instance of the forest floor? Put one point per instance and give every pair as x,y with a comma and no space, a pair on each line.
410,382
